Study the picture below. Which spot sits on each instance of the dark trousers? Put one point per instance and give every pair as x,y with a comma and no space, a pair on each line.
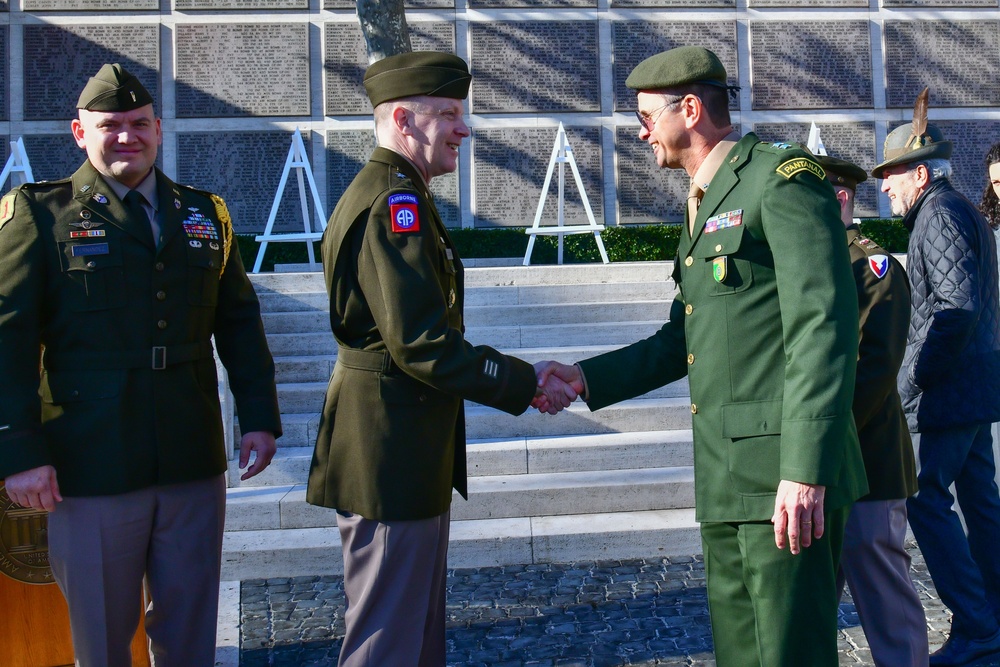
964,568
770,608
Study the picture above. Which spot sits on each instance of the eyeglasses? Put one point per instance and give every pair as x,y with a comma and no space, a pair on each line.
648,120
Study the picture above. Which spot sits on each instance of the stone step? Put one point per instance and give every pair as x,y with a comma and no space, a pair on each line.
640,414
264,554
519,456
503,295
499,315
494,497
500,337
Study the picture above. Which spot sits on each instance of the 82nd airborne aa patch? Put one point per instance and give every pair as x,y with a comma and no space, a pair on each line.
403,211
795,165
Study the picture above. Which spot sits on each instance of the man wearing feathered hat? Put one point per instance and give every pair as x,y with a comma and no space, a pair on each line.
950,382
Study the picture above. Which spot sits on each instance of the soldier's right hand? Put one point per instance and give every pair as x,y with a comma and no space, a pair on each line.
36,488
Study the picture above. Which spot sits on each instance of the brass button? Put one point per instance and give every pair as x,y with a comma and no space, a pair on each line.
718,247
162,324
689,261
91,264
688,309
159,266
694,409
690,359
161,296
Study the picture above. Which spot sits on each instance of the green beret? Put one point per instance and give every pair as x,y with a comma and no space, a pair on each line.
902,146
677,67
431,73
113,89
842,172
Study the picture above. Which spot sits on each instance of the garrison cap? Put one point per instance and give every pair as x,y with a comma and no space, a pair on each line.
433,73
902,146
677,67
841,172
113,88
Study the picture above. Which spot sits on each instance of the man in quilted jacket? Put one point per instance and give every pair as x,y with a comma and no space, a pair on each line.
950,383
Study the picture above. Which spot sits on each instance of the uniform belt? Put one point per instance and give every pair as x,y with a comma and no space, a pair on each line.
156,358
366,360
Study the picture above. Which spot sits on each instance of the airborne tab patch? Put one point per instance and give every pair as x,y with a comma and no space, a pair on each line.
403,211
795,165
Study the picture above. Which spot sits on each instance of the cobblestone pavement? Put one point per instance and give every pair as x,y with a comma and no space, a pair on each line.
587,614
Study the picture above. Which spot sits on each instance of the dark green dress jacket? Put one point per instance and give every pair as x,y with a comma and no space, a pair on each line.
884,308
765,325
128,397
391,442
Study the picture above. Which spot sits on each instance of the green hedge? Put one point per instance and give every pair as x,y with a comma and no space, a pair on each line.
631,243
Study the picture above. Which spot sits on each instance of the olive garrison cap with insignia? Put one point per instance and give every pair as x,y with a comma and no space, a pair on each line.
915,141
113,89
677,67
433,73
842,172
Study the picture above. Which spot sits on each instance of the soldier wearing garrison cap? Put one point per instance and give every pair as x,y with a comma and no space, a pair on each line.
125,278
391,441
875,563
765,327
950,381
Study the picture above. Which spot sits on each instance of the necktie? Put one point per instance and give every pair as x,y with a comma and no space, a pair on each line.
695,194
135,205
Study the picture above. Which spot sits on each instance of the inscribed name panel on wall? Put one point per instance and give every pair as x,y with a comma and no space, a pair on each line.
807,4
53,156
677,4
634,41
407,4
958,60
60,59
4,69
345,60
540,4
939,3
972,139
244,168
240,4
534,66
347,151
810,64
242,69
89,5
853,141
646,193
510,170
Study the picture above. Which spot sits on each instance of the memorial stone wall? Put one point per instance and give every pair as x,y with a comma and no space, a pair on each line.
233,79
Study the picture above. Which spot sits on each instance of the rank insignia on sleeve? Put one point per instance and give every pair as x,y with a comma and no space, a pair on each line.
491,368
795,165
879,264
403,211
7,208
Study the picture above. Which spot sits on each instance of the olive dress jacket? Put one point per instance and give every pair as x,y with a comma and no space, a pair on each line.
128,396
884,309
765,326
391,441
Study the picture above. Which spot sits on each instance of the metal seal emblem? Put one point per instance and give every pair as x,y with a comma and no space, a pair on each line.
24,542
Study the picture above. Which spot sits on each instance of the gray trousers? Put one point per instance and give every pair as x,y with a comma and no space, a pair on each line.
875,565
102,547
394,582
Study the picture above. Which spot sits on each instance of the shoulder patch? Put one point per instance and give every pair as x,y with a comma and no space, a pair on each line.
879,264
7,208
791,167
403,211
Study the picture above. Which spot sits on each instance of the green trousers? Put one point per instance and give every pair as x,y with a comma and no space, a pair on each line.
770,608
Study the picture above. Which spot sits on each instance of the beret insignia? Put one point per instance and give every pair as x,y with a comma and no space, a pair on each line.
795,165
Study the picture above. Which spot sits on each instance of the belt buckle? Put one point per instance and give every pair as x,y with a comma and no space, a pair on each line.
159,358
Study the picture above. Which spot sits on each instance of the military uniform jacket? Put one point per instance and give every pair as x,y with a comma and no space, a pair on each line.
884,310
128,396
765,325
391,442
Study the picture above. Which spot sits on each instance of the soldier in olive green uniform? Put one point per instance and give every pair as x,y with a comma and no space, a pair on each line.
122,439
391,443
875,563
765,327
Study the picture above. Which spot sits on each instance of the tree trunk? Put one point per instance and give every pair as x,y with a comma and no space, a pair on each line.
383,24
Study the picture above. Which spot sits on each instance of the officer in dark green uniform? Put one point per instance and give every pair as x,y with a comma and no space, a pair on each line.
766,329
875,563
391,443
125,277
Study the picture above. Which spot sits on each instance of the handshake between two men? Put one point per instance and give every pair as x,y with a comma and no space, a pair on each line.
558,386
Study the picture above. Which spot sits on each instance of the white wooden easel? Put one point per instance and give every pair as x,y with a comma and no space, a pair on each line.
17,163
296,160
562,153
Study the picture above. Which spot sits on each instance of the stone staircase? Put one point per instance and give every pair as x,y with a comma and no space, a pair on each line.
616,483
